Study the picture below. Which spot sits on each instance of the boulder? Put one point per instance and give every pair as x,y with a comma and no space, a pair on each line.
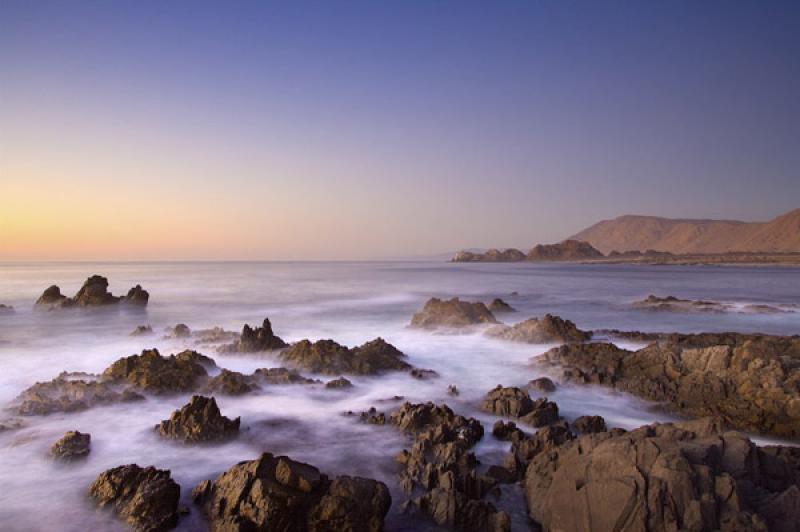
199,421
145,498
542,384
542,413
506,431
70,392
541,331
142,330
423,374
339,384
181,330
452,390
452,314
278,493
137,296
93,293
589,424
511,402
73,445
281,376
328,357
152,372
228,382
6,310
53,298
253,340
498,306
524,448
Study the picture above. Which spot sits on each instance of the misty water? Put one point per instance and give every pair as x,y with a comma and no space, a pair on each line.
348,302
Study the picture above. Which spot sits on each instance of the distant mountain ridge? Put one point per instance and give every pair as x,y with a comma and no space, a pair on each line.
641,233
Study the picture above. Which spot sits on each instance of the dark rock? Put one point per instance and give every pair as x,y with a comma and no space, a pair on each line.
255,340
152,372
453,313
506,431
543,412
215,335
231,383
423,374
589,424
199,421
452,390
137,296
439,422
525,448
541,331
330,358
452,509
94,292
277,493
69,392
373,417
542,384
73,445
6,310
493,255
568,250
142,330
498,306
750,381
281,376
511,401
339,384
180,330
53,298
146,498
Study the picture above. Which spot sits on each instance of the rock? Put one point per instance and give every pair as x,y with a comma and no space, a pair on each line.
373,417
278,493
493,255
137,296
452,391
525,448
73,445
281,376
11,424
451,509
146,498
53,298
542,384
512,402
328,357
661,477
150,371
541,331
568,250
339,384
452,313
498,306
750,381
6,310
70,392
215,335
506,431
93,293
231,383
423,374
180,330
142,330
440,419
589,424
199,421
543,412
255,340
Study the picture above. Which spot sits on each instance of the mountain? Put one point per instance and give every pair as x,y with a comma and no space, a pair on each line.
630,232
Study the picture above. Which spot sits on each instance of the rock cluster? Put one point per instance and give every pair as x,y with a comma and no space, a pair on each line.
73,445
683,476
751,381
152,372
199,421
228,382
70,392
278,493
541,331
253,340
330,358
93,293
515,402
568,250
451,314
145,498
493,255
674,304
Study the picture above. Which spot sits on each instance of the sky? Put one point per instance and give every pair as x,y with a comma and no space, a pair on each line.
356,130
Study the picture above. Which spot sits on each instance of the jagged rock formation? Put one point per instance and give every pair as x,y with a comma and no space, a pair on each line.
750,381
540,331
70,392
330,358
199,421
278,493
498,306
568,250
589,424
229,382
142,330
145,498
152,372
451,314
493,255
180,330
93,293
515,402
73,445
255,340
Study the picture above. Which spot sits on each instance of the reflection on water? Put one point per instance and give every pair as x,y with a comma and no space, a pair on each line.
350,302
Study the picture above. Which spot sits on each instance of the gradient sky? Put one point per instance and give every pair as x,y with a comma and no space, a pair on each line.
333,130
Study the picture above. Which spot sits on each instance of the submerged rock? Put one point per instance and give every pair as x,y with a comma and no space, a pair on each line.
750,381
6,310
423,374
255,340
142,330
73,445
281,376
541,331
181,330
152,372
70,392
542,384
339,384
498,306
328,357
93,293
278,493
145,498
452,314
229,382
199,421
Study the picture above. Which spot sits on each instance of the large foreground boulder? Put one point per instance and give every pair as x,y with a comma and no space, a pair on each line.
277,493
331,358
73,445
662,477
751,381
199,421
541,331
257,339
145,498
158,374
93,293
451,314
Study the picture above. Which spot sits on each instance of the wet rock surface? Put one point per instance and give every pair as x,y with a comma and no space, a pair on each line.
682,476
339,384
199,421
751,381
93,293
515,402
674,304
498,306
451,314
278,493
540,331
159,374
423,374
589,424
542,385
253,340
145,498
142,330
228,382
70,392
73,445
330,358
